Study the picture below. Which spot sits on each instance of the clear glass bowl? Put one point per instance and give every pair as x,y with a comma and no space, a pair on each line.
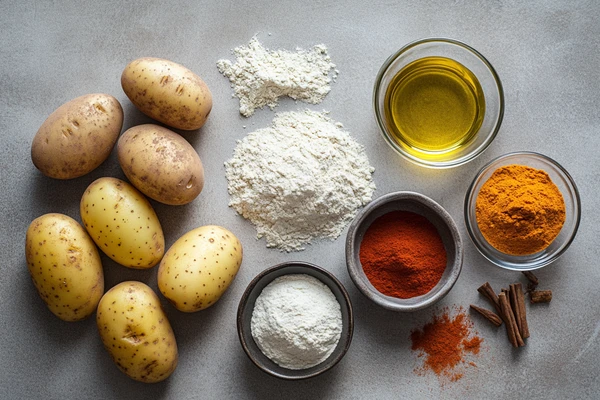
565,184
472,60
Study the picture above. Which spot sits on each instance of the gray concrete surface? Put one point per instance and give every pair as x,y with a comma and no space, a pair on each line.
547,55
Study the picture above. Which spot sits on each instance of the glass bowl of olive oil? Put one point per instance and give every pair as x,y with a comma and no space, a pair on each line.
439,102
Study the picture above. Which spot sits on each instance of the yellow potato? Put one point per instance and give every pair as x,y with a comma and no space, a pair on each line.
122,223
168,92
161,164
65,266
78,136
136,332
199,267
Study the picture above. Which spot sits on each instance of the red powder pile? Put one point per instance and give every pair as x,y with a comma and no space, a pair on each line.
445,342
403,255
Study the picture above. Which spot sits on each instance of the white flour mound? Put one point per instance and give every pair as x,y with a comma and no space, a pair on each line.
302,178
259,76
296,321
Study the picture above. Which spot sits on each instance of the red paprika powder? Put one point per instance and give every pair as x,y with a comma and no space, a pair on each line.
445,341
402,254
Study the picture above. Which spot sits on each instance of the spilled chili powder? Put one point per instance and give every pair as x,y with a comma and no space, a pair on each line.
445,342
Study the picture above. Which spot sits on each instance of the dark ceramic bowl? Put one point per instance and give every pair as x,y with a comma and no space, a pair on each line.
246,307
419,204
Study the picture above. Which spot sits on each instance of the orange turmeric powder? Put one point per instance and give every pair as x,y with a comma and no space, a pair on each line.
519,210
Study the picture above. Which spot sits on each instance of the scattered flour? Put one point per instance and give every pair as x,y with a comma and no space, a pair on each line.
259,76
296,321
302,178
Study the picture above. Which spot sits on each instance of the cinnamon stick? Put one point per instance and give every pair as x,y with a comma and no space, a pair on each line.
512,297
522,311
531,277
487,291
489,315
517,301
533,281
509,319
540,296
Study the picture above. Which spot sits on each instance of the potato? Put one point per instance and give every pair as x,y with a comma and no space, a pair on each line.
77,137
199,267
161,164
136,332
122,223
64,265
168,92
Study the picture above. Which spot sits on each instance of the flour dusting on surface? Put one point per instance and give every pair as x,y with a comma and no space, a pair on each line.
260,76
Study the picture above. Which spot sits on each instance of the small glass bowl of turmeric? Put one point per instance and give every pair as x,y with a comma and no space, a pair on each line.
522,211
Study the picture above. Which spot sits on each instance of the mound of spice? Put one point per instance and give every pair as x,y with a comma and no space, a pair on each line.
519,210
402,254
445,343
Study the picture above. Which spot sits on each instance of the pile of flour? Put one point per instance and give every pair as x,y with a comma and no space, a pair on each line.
296,321
259,76
302,178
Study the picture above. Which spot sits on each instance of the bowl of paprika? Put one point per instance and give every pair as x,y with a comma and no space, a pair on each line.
404,251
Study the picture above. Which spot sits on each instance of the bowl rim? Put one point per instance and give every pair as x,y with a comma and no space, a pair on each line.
355,269
347,338
424,163
470,200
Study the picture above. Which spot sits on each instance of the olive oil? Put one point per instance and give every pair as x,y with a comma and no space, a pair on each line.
434,106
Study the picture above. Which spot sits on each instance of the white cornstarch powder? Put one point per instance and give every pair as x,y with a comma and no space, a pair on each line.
302,178
259,76
296,321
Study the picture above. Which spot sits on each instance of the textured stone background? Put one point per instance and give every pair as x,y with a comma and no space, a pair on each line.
547,55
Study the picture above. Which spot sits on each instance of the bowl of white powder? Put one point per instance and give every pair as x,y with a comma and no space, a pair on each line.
295,321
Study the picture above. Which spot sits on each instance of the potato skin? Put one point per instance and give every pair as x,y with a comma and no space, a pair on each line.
199,267
167,92
136,332
64,265
122,223
161,164
78,136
